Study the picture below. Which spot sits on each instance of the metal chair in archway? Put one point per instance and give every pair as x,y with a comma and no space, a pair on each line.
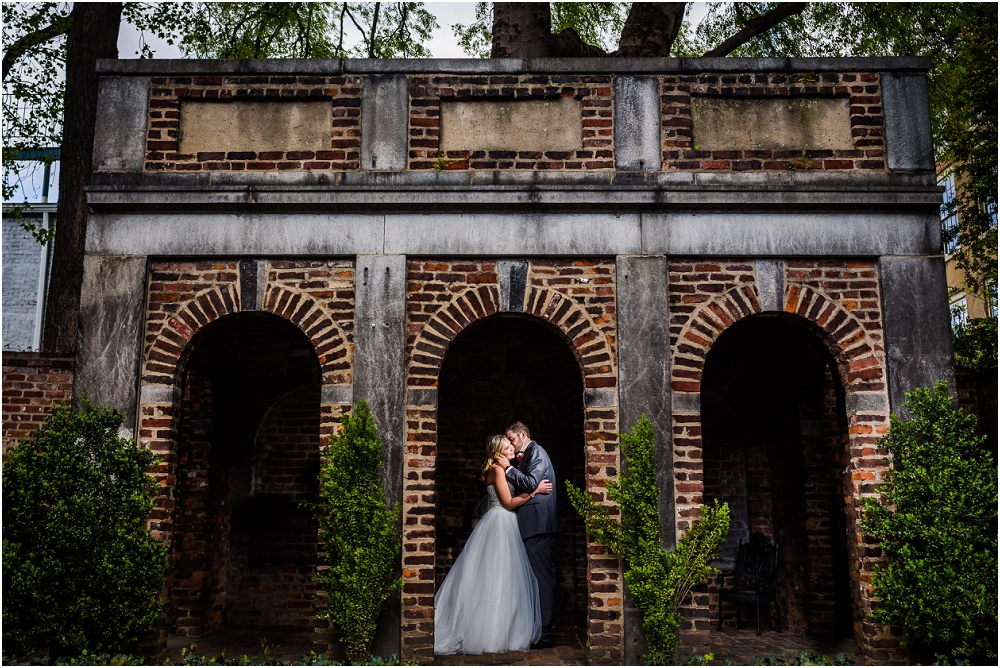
756,573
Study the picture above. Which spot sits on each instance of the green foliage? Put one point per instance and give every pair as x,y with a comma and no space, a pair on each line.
937,524
658,580
34,43
597,23
80,569
361,534
190,657
806,658
976,344
309,30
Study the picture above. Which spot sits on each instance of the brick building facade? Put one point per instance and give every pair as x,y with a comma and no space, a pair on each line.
574,243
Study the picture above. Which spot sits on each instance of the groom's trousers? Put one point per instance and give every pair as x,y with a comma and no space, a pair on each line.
541,549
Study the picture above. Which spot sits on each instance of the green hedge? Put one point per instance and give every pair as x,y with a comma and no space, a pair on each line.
80,569
937,524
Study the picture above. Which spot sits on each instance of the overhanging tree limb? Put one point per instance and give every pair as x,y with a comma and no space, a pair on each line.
59,27
757,26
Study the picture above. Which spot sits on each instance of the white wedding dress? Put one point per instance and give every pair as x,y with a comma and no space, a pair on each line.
489,600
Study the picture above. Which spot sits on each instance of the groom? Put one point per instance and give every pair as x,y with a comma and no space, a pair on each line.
537,519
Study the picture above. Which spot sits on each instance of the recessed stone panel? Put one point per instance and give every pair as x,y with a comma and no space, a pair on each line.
512,125
255,126
771,124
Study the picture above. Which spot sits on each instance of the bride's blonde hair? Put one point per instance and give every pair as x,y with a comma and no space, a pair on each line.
493,449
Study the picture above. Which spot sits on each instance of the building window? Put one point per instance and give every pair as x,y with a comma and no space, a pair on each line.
959,312
949,217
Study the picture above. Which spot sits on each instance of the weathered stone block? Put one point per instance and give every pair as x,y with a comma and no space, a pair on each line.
120,134
906,106
724,123
255,126
522,125
637,123
109,351
917,325
385,109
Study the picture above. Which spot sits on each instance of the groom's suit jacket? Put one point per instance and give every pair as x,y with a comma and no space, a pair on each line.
539,515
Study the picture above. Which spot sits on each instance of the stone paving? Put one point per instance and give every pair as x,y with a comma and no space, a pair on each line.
570,650
740,647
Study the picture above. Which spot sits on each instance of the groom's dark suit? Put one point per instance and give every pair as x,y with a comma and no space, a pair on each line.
538,521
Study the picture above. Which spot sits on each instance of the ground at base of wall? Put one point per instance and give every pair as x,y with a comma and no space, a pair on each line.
742,646
289,643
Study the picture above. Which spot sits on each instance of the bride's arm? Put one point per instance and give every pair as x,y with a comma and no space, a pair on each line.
503,490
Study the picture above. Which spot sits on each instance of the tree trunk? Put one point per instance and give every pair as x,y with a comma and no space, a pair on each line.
521,30
92,35
650,29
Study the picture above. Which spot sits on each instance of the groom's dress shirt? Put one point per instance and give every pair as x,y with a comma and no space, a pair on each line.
539,514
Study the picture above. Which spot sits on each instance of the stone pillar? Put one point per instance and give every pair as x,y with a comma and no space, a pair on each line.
907,111
637,123
644,388
385,118
917,325
379,379
120,134
109,348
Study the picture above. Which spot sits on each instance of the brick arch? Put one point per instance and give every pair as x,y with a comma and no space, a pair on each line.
844,336
163,360
591,347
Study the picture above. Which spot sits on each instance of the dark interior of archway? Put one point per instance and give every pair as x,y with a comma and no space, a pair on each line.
775,448
245,552
498,370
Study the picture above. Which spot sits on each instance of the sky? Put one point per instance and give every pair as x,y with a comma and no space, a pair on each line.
442,45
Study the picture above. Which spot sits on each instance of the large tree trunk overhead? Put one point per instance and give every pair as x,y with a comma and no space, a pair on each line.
650,29
92,35
521,30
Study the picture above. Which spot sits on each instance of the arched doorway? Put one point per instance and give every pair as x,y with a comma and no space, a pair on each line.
776,449
244,551
499,369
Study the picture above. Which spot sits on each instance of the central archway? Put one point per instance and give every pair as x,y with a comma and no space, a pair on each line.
499,369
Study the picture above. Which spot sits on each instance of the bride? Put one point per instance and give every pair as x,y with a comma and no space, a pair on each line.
489,600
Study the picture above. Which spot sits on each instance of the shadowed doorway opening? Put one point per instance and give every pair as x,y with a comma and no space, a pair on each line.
500,369
245,552
775,449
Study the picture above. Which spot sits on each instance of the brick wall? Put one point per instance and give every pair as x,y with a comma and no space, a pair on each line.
32,382
166,94
594,93
839,301
443,299
863,89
